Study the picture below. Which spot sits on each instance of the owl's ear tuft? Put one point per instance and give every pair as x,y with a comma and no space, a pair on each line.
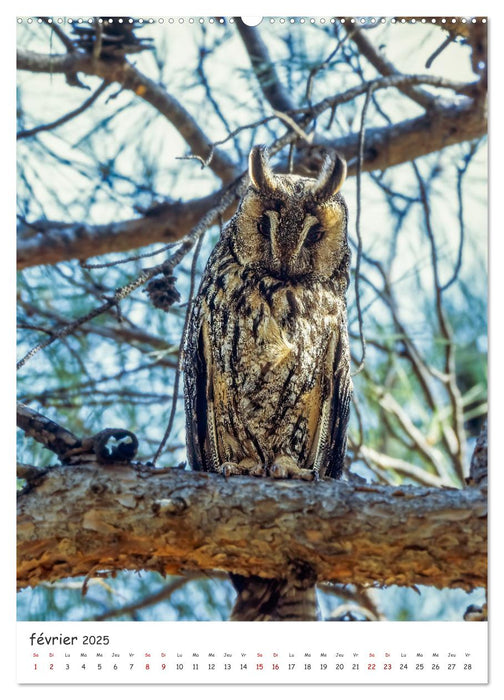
261,175
331,178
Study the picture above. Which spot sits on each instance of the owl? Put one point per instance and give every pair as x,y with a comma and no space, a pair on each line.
266,351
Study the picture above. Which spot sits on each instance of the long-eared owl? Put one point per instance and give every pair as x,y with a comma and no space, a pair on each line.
266,353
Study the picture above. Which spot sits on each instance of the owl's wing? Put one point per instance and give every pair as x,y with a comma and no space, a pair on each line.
341,398
334,413
196,391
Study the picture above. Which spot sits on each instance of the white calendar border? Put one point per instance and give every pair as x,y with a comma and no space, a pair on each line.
279,8
247,652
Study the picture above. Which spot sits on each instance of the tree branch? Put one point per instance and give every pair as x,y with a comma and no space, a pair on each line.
386,68
66,117
68,43
385,463
227,197
132,79
45,431
392,145
421,444
86,517
264,68
457,444
50,242
119,332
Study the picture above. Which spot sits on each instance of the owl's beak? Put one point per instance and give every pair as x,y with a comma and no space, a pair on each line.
284,257
284,271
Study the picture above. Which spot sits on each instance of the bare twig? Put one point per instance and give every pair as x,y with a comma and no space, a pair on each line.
460,176
149,600
208,91
130,78
439,50
296,128
322,66
66,41
401,466
458,443
147,274
386,68
178,372
358,229
131,258
419,443
65,118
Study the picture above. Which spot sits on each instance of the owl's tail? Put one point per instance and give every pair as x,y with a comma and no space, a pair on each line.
273,599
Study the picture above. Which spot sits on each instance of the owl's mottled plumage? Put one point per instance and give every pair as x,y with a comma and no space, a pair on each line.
266,355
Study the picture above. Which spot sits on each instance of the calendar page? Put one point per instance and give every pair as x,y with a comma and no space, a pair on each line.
252,350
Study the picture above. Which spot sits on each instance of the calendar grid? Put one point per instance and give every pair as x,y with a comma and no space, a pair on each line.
186,652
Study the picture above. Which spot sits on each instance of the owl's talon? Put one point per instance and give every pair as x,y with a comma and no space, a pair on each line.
286,468
257,470
278,472
246,467
307,475
228,469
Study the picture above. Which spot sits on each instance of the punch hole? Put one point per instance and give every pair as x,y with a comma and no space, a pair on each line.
252,21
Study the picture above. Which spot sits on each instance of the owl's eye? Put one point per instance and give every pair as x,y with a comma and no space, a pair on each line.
314,234
264,225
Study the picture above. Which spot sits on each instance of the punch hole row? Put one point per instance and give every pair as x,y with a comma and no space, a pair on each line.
271,20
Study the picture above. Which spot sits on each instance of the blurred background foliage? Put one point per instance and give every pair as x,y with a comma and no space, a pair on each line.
420,398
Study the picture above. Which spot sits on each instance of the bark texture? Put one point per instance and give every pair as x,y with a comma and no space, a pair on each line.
82,518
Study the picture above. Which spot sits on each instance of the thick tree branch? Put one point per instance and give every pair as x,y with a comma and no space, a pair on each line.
87,516
51,242
412,138
130,78
264,68
45,431
146,274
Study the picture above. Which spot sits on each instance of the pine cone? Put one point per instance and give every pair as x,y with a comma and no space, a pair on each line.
162,292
